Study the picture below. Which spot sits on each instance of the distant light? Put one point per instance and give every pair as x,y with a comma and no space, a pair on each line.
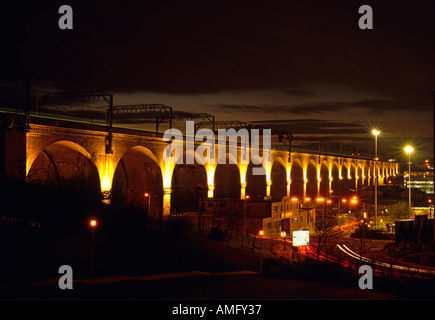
295,199
320,199
247,196
261,232
308,199
343,200
329,201
375,132
146,194
93,223
409,149
354,201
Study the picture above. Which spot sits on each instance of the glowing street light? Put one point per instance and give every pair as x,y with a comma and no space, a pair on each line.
307,201
322,200
354,200
93,223
244,217
409,150
376,133
147,195
261,233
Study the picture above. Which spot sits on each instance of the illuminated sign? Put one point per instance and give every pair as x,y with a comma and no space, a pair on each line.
301,238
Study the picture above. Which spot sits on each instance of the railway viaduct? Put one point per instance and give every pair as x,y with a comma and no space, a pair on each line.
59,153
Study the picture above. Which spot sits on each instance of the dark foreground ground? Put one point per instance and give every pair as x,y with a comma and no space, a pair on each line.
139,259
172,262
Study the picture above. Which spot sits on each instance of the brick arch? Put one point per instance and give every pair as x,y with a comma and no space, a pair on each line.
188,183
278,175
138,172
31,156
311,174
297,178
324,179
65,166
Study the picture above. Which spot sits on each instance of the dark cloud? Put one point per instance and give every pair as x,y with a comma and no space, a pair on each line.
372,105
191,48
312,126
204,46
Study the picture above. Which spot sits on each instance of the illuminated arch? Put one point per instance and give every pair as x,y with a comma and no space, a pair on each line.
70,144
65,166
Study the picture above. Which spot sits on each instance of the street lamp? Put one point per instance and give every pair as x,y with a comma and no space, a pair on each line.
244,217
147,195
376,133
363,233
261,233
93,224
354,200
307,200
329,201
409,150
322,200
283,235
339,208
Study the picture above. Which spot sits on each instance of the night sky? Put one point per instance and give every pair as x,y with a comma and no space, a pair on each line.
301,66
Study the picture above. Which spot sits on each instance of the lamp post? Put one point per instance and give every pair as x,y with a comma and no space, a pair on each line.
283,235
329,201
93,224
409,150
322,200
354,200
376,133
339,208
244,217
363,234
307,200
147,195
261,232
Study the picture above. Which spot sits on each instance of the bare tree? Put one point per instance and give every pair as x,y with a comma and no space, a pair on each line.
325,232
399,210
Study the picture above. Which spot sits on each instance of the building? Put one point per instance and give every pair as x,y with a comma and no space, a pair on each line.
288,215
270,215
422,178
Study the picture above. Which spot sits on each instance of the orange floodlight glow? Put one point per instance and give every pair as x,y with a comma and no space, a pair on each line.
93,223
261,232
